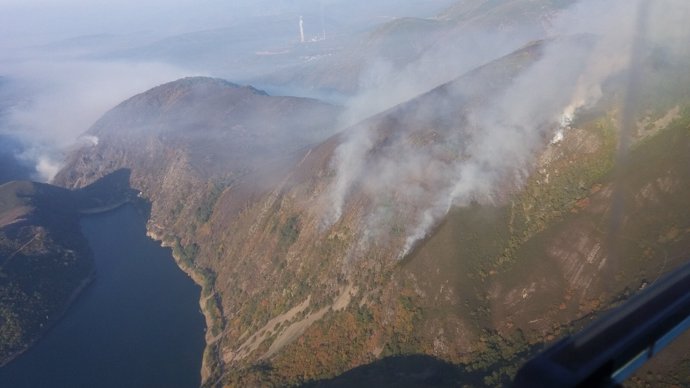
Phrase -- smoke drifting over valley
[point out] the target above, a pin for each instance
(71, 62)
(489, 148)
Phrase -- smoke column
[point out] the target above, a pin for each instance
(502, 137)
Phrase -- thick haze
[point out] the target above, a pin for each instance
(69, 61)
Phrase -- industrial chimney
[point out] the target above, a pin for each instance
(301, 30)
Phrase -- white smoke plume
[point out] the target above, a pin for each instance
(89, 140)
(46, 168)
(66, 98)
(495, 144)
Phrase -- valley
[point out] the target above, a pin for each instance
(473, 186)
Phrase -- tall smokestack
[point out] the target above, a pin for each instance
(323, 25)
(301, 30)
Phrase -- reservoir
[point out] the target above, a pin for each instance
(137, 325)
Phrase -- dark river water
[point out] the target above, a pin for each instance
(137, 325)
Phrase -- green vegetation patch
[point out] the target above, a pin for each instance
(290, 230)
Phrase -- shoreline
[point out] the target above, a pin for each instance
(209, 322)
(205, 371)
(90, 278)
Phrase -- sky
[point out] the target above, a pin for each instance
(39, 21)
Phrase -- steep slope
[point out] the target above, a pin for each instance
(493, 281)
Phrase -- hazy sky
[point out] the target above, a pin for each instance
(36, 21)
(39, 21)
